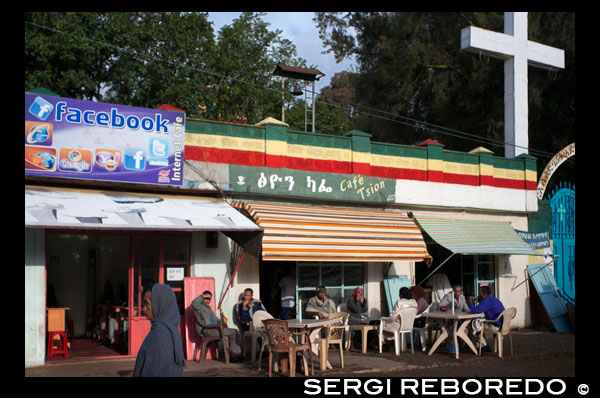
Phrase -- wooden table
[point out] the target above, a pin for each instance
(306, 324)
(456, 331)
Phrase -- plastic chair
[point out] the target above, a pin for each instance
(406, 319)
(258, 332)
(344, 308)
(507, 315)
(334, 335)
(421, 331)
(280, 341)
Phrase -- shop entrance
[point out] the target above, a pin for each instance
(101, 276)
(270, 273)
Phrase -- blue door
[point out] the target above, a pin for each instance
(563, 235)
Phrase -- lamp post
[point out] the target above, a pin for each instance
(305, 74)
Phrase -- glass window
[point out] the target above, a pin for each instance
(340, 279)
(176, 248)
(308, 276)
(331, 275)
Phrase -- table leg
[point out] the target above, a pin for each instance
(365, 333)
(455, 337)
(461, 333)
(315, 347)
(440, 339)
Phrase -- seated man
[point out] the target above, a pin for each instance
(320, 305)
(245, 309)
(205, 315)
(405, 301)
(460, 303)
(491, 307)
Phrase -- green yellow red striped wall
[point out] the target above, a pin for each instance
(277, 147)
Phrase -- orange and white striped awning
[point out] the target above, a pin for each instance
(317, 233)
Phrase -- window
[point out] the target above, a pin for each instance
(477, 270)
(340, 279)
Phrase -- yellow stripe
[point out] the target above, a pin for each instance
(486, 169)
(509, 174)
(530, 175)
(461, 168)
(398, 162)
(224, 142)
(320, 153)
(435, 164)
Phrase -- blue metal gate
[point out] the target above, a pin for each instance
(562, 203)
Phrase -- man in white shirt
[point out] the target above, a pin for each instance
(460, 303)
(288, 296)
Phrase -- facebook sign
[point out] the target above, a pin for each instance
(70, 138)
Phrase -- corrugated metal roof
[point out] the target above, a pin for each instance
(475, 237)
(319, 233)
(545, 285)
(297, 72)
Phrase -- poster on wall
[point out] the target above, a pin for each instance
(70, 138)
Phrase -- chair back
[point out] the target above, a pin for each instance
(424, 312)
(278, 333)
(335, 330)
(258, 318)
(407, 318)
(507, 316)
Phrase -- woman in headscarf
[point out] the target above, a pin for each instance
(356, 305)
(161, 353)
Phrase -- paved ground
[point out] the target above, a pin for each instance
(537, 354)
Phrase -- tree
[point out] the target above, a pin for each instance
(410, 67)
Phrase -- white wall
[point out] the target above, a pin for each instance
(35, 298)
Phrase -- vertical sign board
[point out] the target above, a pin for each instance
(70, 138)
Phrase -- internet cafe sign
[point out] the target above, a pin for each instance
(300, 183)
(72, 138)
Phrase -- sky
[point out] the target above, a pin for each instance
(300, 29)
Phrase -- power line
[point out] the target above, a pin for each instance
(416, 124)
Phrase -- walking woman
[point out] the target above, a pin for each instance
(161, 353)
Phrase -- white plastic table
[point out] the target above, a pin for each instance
(456, 331)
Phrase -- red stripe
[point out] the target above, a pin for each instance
(530, 185)
(215, 155)
(397, 173)
(326, 166)
(505, 183)
(276, 161)
(486, 180)
(462, 179)
(436, 176)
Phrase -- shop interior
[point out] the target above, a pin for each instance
(89, 275)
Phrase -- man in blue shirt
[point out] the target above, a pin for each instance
(491, 307)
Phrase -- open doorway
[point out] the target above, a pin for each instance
(88, 273)
(270, 273)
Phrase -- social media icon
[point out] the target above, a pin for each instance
(134, 159)
(159, 148)
(41, 108)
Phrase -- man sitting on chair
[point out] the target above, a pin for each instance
(204, 313)
(492, 308)
(320, 305)
(245, 309)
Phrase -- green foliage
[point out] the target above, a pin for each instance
(410, 64)
(150, 58)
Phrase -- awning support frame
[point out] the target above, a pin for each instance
(432, 272)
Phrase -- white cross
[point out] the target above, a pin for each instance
(517, 52)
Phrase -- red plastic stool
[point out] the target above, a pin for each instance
(62, 346)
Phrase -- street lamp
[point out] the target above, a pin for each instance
(305, 74)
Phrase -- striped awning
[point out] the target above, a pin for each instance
(475, 237)
(317, 233)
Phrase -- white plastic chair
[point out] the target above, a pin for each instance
(257, 331)
(421, 331)
(406, 319)
(507, 315)
(344, 308)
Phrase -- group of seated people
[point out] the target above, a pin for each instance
(321, 305)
